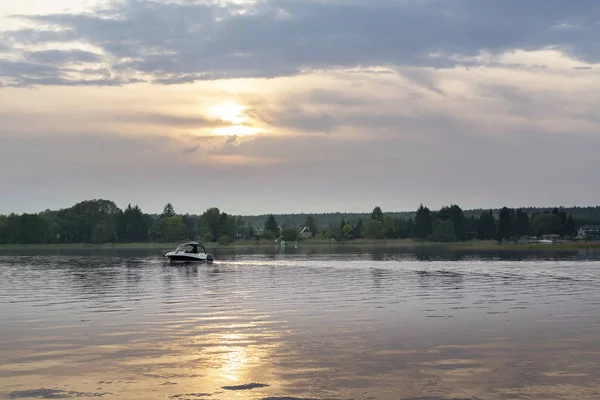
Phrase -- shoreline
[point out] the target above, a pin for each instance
(390, 243)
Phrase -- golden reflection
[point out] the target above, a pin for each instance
(239, 357)
(235, 359)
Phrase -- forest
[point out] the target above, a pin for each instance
(102, 221)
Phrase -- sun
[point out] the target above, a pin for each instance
(230, 112)
(233, 113)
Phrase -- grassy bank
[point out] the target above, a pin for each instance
(494, 246)
(391, 243)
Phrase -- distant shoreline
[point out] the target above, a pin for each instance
(389, 243)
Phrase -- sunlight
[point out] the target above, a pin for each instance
(230, 112)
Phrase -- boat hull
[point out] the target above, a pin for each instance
(185, 255)
(190, 258)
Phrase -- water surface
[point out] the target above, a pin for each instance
(300, 324)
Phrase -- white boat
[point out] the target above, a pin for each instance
(189, 252)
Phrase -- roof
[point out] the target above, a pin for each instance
(193, 244)
(305, 229)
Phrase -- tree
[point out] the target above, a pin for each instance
(104, 232)
(522, 224)
(443, 231)
(168, 211)
(546, 224)
(423, 225)
(374, 229)
(486, 226)
(132, 225)
(268, 235)
(456, 215)
(358, 229)
(190, 227)
(224, 239)
(342, 225)
(272, 226)
(290, 234)
(405, 227)
(505, 225)
(377, 214)
(570, 228)
(347, 231)
(310, 222)
(169, 229)
(389, 227)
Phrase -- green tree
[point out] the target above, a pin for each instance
(486, 226)
(374, 229)
(377, 214)
(423, 224)
(570, 229)
(209, 225)
(456, 215)
(169, 230)
(190, 227)
(347, 231)
(358, 229)
(310, 222)
(104, 232)
(403, 227)
(505, 224)
(168, 211)
(546, 224)
(290, 234)
(224, 239)
(443, 231)
(132, 225)
(268, 235)
(272, 226)
(522, 223)
(389, 227)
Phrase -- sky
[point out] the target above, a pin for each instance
(288, 106)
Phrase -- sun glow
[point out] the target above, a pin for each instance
(235, 115)
(230, 112)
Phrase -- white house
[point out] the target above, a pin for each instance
(588, 231)
(305, 233)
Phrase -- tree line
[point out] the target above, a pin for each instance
(102, 221)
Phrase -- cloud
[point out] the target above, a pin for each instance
(169, 120)
(26, 74)
(177, 42)
(63, 56)
(192, 149)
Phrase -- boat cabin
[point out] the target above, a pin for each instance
(190, 247)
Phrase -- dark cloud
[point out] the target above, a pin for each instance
(63, 56)
(170, 120)
(192, 149)
(178, 42)
(27, 73)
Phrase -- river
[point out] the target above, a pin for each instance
(318, 324)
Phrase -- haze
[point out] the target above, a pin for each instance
(299, 105)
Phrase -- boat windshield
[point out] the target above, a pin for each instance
(187, 248)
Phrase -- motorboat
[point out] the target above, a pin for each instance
(189, 252)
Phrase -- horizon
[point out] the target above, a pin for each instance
(278, 106)
(389, 211)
